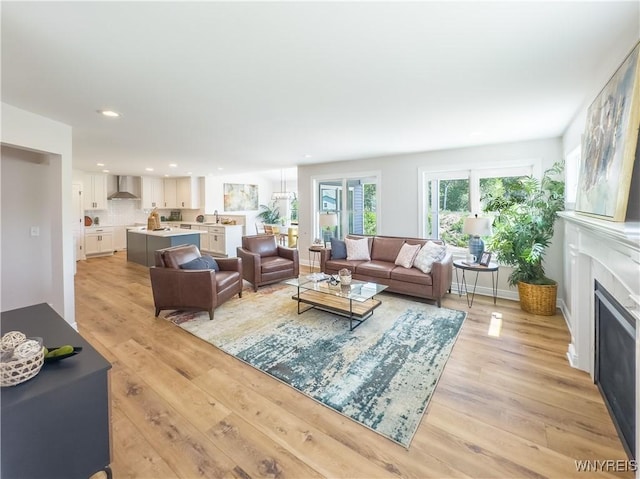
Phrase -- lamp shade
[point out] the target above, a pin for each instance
(328, 220)
(475, 226)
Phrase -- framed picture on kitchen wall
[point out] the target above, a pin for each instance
(609, 144)
(240, 197)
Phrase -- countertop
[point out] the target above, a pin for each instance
(166, 233)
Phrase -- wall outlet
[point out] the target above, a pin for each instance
(35, 231)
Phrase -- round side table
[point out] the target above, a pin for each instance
(461, 265)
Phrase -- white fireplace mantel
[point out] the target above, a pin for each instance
(597, 250)
(609, 253)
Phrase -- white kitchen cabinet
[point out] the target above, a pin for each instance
(98, 241)
(152, 193)
(204, 238)
(224, 239)
(171, 193)
(94, 192)
(119, 238)
(188, 193)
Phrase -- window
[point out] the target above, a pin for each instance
(572, 169)
(450, 196)
(353, 199)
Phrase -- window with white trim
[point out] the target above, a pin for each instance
(448, 197)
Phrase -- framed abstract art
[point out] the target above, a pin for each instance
(609, 144)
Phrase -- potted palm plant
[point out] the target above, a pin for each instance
(269, 214)
(525, 214)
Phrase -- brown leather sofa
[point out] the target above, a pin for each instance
(381, 269)
(192, 290)
(265, 262)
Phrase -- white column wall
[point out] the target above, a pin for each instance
(53, 141)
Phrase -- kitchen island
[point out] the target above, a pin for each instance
(142, 243)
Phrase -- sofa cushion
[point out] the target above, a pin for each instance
(357, 249)
(377, 269)
(386, 249)
(429, 254)
(338, 264)
(338, 249)
(411, 275)
(407, 254)
(203, 262)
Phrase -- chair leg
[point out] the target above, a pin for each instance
(157, 312)
(255, 288)
(210, 314)
(240, 294)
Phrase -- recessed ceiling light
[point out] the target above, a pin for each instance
(307, 155)
(105, 171)
(149, 169)
(220, 168)
(109, 113)
(173, 165)
(188, 173)
(166, 176)
(475, 134)
(100, 164)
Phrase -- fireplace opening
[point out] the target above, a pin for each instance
(615, 364)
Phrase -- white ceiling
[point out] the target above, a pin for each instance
(252, 86)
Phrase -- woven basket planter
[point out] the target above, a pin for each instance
(538, 298)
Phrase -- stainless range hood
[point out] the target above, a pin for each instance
(124, 186)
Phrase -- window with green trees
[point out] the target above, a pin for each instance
(451, 196)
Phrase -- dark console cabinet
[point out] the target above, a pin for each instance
(55, 425)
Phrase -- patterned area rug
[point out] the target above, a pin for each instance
(381, 375)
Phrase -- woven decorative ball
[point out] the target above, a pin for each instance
(11, 339)
(24, 361)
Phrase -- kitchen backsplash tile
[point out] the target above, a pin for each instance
(125, 212)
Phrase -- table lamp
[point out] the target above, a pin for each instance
(476, 227)
(327, 221)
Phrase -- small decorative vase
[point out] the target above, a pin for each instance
(345, 276)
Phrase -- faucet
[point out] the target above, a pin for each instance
(217, 217)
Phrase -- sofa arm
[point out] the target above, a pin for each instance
(251, 265)
(441, 274)
(230, 264)
(325, 255)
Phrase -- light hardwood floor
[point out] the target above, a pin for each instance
(506, 406)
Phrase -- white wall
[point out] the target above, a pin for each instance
(399, 195)
(51, 206)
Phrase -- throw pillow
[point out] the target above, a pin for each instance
(203, 262)
(428, 254)
(407, 255)
(357, 249)
(338, 249)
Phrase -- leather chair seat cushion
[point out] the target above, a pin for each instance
(411, 275)
(376, 269)
(174, 258)
(225, 279)
(274, 264)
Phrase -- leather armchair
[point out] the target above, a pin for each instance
(192, 290)
(264, 261)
